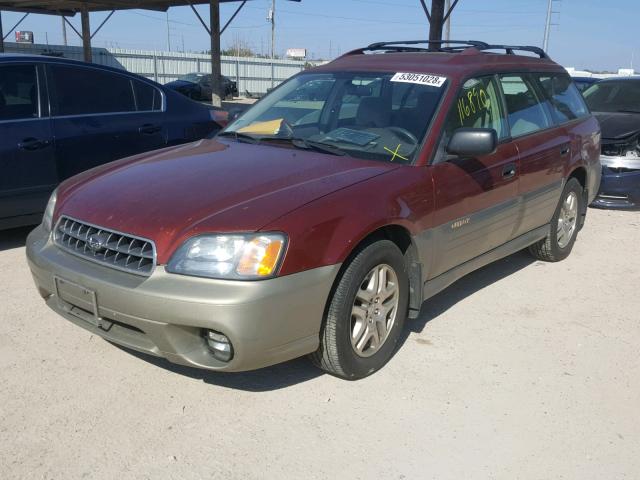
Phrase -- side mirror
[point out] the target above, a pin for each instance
(473, 142)
(234, 114)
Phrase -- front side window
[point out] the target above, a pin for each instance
(83, 91)
(18, 92)
(563, 97)
(525, 110)
(614, 96)
(477, 105)
(377, 116)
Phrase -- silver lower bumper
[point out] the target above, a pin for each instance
(267, 321)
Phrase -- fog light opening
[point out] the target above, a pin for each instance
(219, 345)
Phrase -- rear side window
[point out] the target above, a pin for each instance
(148, 98)
(478, 105)
(565, 101)
(83, 91)
(18, 92)
(525, 109)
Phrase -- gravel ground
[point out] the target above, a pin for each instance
(521, 370)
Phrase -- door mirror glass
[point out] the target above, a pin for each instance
(473, 142)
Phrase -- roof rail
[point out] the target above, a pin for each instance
(449, 46)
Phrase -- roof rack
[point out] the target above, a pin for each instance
(448, 46)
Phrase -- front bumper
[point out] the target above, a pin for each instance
(620, 184)
(267, 322)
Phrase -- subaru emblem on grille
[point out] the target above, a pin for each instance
(96, 242)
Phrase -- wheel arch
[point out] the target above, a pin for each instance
(401, 236)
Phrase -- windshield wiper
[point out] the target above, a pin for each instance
(628, 111)
(318, 146)
(240, 137)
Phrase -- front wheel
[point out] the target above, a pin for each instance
(366, 313)
(564, 225)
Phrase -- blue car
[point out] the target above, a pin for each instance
(59, 117)
(616, 104)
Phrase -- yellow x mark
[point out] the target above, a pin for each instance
(395, 153)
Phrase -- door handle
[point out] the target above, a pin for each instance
(33, 144)
(509, 171)
(565, 149)
(149, 129)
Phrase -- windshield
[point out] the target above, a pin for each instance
(377, 116)
(192, 77)
(613, 96)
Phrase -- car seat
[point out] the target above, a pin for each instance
(373, 112)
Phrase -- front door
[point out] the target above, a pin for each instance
(27, 164)
(476, 199)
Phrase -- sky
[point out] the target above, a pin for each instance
(587, 34)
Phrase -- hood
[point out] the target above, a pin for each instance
(207, 186)
(618, 126)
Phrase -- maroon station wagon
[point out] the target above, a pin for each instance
(326, 214)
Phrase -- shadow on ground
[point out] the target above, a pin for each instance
(301, 370)
(266, 379)
(14, 238)
(467, 286)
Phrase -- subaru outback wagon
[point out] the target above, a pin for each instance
(319, 225)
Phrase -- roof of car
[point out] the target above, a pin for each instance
(461, 61)
(20, 57)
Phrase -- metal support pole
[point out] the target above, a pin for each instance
(216, 67)
(64, 31)
(547, 26)
(273, 42)
(1, 35)
(15, 26)
(447, 23)
(155, 67)
(232, 17)
(86, 34)
(436, 23)
(102, 24)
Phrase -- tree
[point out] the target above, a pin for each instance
(239, 48)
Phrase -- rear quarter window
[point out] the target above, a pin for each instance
(564, 99)
(148, 98)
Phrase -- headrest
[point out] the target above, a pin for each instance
(373, 112)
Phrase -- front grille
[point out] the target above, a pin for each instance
(107, 247)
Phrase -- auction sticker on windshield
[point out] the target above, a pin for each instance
(419, 78)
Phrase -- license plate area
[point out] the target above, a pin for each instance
(79, 301)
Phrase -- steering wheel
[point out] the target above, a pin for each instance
(404, 133)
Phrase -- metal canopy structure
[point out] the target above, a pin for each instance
(69, 8)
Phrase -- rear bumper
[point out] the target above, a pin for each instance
(267, 322)
(619, 189)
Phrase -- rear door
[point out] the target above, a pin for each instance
(97, 119)
(476, 198)
(27, 164)
(543, 148)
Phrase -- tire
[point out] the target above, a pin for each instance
(558, 243)
(337, 353)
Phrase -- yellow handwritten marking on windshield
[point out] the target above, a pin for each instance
(271, 127)
(395, 153)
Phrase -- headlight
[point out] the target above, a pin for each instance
(47, 218)
(240, 257)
